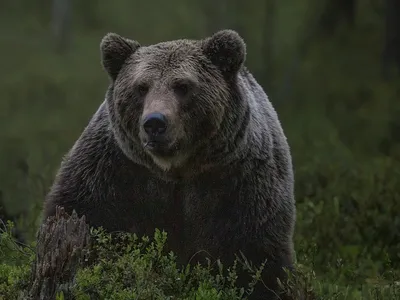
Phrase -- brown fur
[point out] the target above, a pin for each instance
(224, 181)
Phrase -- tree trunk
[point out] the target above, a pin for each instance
(335, 12)
(391, 52)
(267, 72)
(61, 243)
(61, 24)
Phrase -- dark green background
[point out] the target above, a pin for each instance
(323, 74)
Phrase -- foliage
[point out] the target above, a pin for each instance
(127, 267)
(15, 260)
(141, 269)
(363, 219)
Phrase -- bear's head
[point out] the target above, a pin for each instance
(170, 101)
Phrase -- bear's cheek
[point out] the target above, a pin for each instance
(129, 111)
(197, 125)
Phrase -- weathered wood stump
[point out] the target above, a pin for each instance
(61, 243)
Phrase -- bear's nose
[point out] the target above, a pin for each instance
(155, 124)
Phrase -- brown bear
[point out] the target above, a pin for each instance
(185, 141)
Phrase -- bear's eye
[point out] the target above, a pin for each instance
(142, 89)
(181, 88)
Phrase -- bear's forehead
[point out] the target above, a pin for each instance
(169, 53)
(167, 57)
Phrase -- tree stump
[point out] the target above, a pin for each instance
(61, 244)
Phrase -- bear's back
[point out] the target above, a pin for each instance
(266, 138)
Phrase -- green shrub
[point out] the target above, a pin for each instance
(128, 267)
(350, 212)
(15, 264)
(140, 269)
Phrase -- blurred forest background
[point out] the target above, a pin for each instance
(330, 67)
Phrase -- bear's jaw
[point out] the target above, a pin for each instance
(166, 164)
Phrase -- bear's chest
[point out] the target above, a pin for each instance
(198, 215)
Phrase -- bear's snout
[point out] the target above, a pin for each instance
(154, 124)
(156, 134)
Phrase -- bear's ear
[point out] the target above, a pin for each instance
(227, 50)
(115, 49)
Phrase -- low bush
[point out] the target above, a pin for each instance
(139, 268)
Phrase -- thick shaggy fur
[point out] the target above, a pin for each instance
(224, 182)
